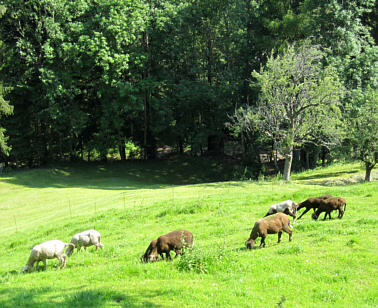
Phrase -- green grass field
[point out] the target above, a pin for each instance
(330, 263)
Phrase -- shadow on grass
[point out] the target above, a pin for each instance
(6, 276)
(325, 175)
(124, 175)
(88, 298)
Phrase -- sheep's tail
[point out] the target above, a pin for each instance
(344, 207)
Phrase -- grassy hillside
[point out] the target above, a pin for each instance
(328, 263)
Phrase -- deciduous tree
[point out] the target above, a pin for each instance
(298, 101)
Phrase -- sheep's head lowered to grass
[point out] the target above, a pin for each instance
(151, 254)
(175, 240)
(273, 224)
(47, 250)
(85, 239)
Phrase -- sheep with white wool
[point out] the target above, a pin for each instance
(47, 250)
(85, 239)
(288, 207)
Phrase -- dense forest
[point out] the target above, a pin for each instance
(84, 79)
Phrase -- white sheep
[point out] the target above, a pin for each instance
(85, 239)
(47, 250)
(288, 207)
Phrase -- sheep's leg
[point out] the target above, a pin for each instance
(287, 230)
(279, 236)
(61, 261)
(44, 264)
(64, 261)
(341, 214)
(168, 255)
(307, 209)
(178, 252)
(262, 244)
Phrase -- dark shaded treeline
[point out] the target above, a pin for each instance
(85, 77)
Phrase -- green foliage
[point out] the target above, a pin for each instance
(202, 260)
(362, 108)
(298, 103)
(85, 77)
(298, 97)
(5, 109)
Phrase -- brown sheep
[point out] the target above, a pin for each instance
(311, 203)
(271, 225)
(330, 205)
(175, 240)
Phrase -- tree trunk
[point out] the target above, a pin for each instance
(315, 158)
(275, 161)
(368, 168)
(81, 149)
(307, 159)
(145, 126)
(324, 155)
(122, 150)
(181, 146)
(288, 162)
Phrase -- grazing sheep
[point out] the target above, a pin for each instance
(311, 203)
(271, 225)
(151, 253)
(175, 240)
(329, 205)
(288, 207)
(85, 239)
(47, 250)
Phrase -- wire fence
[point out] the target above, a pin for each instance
(28, 217)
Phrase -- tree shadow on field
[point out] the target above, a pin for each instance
(325, 175)
(122, 175)
(13, 297)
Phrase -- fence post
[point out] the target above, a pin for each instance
(15, 222)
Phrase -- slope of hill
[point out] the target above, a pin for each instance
(330, 263)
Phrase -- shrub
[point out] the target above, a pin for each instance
(290, 250)
(201, 259)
